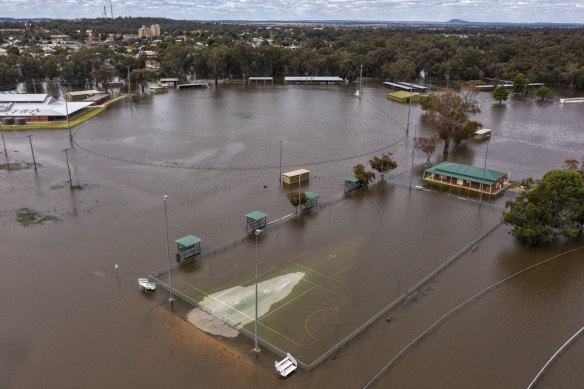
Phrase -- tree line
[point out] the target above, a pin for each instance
(554, 56)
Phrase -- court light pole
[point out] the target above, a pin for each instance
(413, 151)
(256, 348)
(32, 151)
(170, 299)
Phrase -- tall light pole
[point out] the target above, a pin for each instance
(68, 168)
(413, 150)
(32, 151)
(484, 172)
(170, 299)
(280, 179)
(256, 348)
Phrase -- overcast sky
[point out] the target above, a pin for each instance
(564, 11)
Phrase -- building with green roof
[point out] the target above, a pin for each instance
(467, 177)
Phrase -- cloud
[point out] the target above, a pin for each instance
(390, 10)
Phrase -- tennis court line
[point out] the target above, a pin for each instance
(288, 302)
(342, 270)
(312, 283)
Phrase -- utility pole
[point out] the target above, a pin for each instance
(409, 109)
(68, 168)
(256, 348)
(129, 82)
(32, 151)
(111, 9)
(280, 179)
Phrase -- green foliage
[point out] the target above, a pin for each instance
(549, 55)
(520, 84)
(553, 207)
(426, 102)
(382, 165)
(362, 175)
(500, 93)
(27, 216)
(543, 92)
(297, 198)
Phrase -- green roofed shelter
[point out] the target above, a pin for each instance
(351, 182)
(255, 220)
(311, 200)
(188, 247)
(468, 177)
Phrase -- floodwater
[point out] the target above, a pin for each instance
(69, 320)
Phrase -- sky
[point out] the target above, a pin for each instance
(557, 11)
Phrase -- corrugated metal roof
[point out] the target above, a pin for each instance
(23, 98)
(256, 215)
(466, 172)
(352, 179)
(295, 173)
(51, 108)
(313, 78)
(189, 240)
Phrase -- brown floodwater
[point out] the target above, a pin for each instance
(69, 320)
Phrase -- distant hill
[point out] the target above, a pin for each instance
(452, 22)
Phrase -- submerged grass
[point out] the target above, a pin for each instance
(28, 216)
(17, 166)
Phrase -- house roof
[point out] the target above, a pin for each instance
(256, 215)
(466, 172)
(296, 173)
(313, 78)
(49, 107)
(352, 179)
(189, 240)
(311, 195)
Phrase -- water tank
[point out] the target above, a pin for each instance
(8, 121)
(20, 121)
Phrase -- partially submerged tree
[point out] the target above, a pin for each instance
(553, 207)
(297, 198)
(543, 92)
(449, 114)
(520, 84)
(382, 165)
(500, 93)
(362, 175)
(427, 145)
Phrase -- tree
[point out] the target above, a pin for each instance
(383, 165)
(543, 92)
(500, 93)
(426, 103)
(363, 176)
(554, 207)
(520, 84)
(427, 145)
(297, 199)
(573, 164)
(449, 114)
